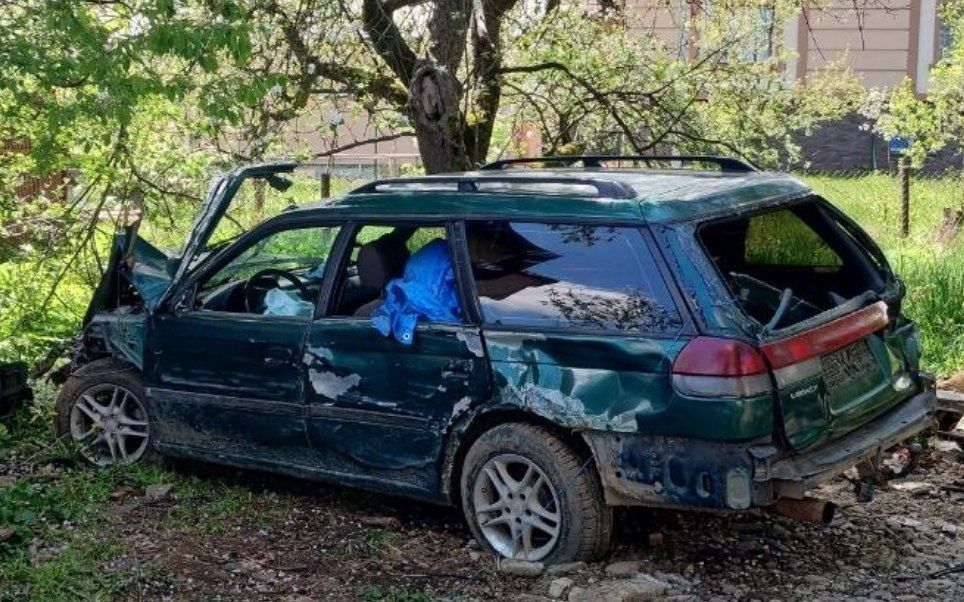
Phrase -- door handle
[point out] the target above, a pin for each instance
(277, 356)
(457, 370)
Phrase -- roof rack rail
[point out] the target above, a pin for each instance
(726, 164)
(468, 183)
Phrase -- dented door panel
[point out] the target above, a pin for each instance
(228, 383)
(381, 408)
(613, 383)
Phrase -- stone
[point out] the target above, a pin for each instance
(520, 568)
(158, 492)
(624, 568)
(638, 589)
(949, 529)
(565, 568)
(559, 587)
(389, 523)
(576, 594)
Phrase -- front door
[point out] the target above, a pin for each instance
(379, 406)
(225, 376)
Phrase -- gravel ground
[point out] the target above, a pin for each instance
(307, 542)
(276, 538)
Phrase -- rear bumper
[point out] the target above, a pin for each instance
(674, 472)
(793, 476)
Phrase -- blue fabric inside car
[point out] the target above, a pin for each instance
(426, 290)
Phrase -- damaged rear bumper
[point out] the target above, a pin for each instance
(674, 472)
(795, 475)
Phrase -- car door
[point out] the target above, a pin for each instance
(227, 379)
(378, 409)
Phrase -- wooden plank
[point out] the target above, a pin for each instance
(950, 401)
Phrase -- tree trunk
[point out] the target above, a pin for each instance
(433, 109)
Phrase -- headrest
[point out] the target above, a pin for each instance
(381, 260)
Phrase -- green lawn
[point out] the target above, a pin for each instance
(933, 272)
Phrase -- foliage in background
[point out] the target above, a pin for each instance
(587, 85)
(937, 120)
(933, 269)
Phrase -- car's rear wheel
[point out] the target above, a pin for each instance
(102, 409)
(527, 494)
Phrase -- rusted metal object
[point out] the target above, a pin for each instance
(811, 510)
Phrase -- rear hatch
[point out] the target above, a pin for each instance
(826, 312)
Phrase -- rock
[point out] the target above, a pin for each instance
(910, 486)
(641, 587)
(624, 568)
(913, 523)
(472, 544)
(389, 523)
(6, 533)
(576, 593)
(949, 529)
(474, 556)
(565, 568)
(520, 568)
(158, 492)
(559, 587)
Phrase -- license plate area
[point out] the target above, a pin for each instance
(846, 366)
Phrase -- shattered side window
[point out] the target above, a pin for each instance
(569, 276)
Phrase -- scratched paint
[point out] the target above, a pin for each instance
(330, 384)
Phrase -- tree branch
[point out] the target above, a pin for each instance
(357, 143)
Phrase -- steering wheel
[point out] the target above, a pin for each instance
(273, 274)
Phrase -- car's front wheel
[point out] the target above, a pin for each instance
(527, 494)
(102, 409)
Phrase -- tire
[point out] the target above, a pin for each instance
(99, 382)
(584, 526)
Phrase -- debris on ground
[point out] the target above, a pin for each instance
(520, 568)
(292, 540)
(156, 493)
(389, 523)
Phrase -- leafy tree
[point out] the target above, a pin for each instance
(936, 120)
(141, 100)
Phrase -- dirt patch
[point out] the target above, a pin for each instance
(301, 541)
(231, 535)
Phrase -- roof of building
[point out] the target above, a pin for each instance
(652, 195)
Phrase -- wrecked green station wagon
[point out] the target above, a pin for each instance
(536, 342)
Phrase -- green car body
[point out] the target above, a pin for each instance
(330, 398)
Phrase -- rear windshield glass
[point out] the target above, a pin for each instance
(789, 264)
(568, 276)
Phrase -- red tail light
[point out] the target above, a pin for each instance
(828, 337)
(714, 367)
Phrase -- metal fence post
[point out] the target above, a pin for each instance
(903, 172)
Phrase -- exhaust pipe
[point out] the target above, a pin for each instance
(809, 510)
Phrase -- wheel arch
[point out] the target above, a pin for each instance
(465, 432)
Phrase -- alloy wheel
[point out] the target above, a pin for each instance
(109, 422)
(517, 507)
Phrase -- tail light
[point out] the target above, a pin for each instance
(797, 357)
(715, 367)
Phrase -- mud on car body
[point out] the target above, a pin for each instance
(715, 338)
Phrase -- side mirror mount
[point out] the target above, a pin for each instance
(185, 301)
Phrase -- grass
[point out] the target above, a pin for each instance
(932, 270)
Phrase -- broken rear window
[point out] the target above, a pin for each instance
(788, 264)
(569, 276)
